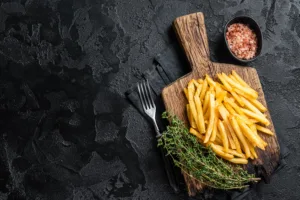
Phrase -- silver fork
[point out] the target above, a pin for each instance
(150, 109)
(148, 104)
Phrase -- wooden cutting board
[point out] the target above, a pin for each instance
(192, 35)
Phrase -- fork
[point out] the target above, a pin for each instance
(150, 109)
(148, 103)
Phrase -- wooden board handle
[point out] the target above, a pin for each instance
(191, 33)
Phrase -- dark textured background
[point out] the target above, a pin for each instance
(66, 129)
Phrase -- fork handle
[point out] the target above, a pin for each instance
(167, 163)
(169, 171)
(158, 134)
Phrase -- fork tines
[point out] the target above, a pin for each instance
(145, 95)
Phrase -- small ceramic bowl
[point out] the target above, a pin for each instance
(252, 25)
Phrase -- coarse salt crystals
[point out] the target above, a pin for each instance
(242, 41)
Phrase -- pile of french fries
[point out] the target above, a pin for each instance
(226, 116)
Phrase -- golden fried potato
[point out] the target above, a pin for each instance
(227, 116)
(211, 118)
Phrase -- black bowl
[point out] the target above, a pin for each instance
(252, 25)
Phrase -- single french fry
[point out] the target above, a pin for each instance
(200, 81)
(230, 139)
(240, 135)
(190, 116)
(221, 153)
(215, 128)
(200, 118)
(186, 93)
(232, 83)
(197, 134)
(250, 145)
(258, 105)
(230, 151)
(239, 79)
(191, 92)
(254, 153)
(206, 101)
(259, 118)
(204, 90)
(237, 154)
(264, 130)
(241, 161)
(224, 82)
(211, 118)
(237, 98)
(251, 107)
(210, 81)
(250, 135)
(223, 134)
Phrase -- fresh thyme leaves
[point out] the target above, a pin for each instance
(199, 161)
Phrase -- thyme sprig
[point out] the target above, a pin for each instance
(199, 161)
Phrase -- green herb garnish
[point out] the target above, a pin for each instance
(199, 161)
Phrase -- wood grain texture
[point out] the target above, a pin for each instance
(192, 35)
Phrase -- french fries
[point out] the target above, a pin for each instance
(226, 116)
(252, 137)
(259, 118)
(240, 135)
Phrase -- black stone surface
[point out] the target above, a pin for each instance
(67, 131)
